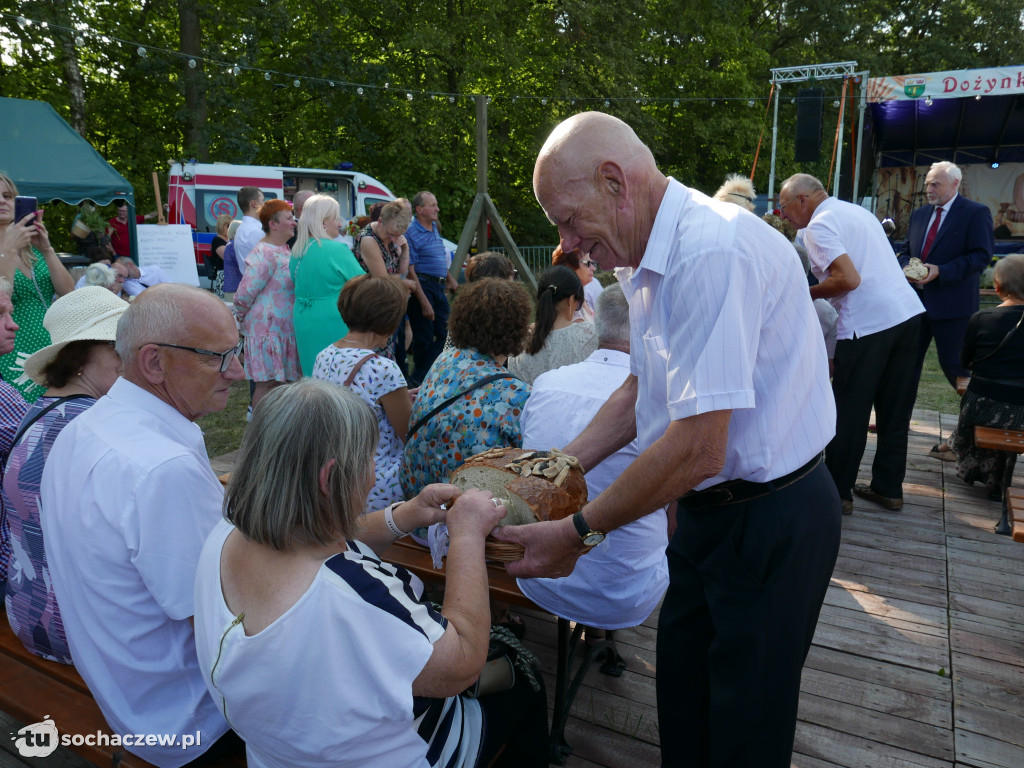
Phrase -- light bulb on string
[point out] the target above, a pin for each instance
(266, 75)
(750, 102)
(835, 103)
(359, 90)
(386, 86)
(978, 97)
(451, 99)
(296, 82)
(191, 63)
(544, 101)
(236, 70)
(330, 83)
(928, 101)
(408, 96)
(79, 41)
(675, 102)
(712, 102)
(141, 51)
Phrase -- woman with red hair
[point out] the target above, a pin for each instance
(584, 267)
(264, 302)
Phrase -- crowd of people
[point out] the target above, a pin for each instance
(718, 395)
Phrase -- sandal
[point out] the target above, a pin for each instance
(937, 452)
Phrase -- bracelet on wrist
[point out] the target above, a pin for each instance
(389, 520)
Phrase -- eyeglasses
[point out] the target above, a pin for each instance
(225, 357)
(783, 206)
(589, 263)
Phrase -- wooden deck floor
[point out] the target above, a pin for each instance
(918, 659)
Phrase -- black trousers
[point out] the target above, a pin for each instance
(515, 727)
(949, 339)
(746, 583)
(878, 370)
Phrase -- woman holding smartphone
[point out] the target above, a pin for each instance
(28, 260)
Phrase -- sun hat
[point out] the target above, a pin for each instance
(87, 314)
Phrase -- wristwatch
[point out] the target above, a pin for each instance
(589, 538)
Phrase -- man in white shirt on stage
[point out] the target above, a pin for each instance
(128, 498)
(728, 395)
(877, 336)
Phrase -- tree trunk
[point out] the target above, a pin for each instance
(194, 81)
(76, 86)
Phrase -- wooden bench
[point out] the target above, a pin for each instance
(503, 587)
(1010, 442)
(32, 688)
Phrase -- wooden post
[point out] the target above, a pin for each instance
(481, 167)
(159, 204)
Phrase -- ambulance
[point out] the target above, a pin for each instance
(200, 192)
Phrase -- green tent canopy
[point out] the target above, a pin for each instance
(47, 159)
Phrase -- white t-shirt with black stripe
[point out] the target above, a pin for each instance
(329, 683)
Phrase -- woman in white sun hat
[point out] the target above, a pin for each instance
(77, 368)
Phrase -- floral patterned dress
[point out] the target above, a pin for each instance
(264, 303)
(487, 417)
(377, 377)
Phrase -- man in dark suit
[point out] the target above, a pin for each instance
(953, 237)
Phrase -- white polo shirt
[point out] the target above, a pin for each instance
(884, 298)
(127, 500)
(721, 319)
(621, 580)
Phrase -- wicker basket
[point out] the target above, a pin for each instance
(502, 551)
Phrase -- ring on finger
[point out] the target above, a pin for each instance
(495, 502)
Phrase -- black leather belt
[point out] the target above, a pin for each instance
(433, 278)
(736, 491)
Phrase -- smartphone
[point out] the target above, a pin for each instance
(23, 206)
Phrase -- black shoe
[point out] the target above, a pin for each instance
(847, 506)
(865, 492)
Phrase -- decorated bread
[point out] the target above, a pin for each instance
(534, 486)
(915, 269)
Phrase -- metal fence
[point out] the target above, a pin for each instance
(537, 257)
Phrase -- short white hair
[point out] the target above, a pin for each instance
(950, 170)
(100, 274)
(611, 315)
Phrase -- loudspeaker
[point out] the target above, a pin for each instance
(808, 124)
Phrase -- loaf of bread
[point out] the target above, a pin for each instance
(915, 269)
(535, 486)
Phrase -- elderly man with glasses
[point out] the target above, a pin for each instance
(128, 498)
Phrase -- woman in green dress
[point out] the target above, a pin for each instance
(320, 266)
(28, 260)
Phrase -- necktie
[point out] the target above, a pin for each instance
(933, 230)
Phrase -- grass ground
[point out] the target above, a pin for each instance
(224, 430)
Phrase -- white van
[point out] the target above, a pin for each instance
(200, 192)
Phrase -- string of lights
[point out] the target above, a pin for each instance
(236, 69)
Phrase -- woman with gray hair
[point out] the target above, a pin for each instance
(320, 266)
(292, 584)
(993, 350)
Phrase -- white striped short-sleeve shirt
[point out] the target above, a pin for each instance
(722, 319)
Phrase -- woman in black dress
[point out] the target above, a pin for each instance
(994, 352)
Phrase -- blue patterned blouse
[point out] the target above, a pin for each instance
(487, 417)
